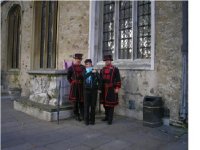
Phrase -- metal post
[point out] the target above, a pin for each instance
(58, 103)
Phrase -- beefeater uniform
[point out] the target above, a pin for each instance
(75, 78)
(110, 80)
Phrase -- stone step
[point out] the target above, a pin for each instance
(42, 111)
(11, 93)
(6, 97)
(4, 93)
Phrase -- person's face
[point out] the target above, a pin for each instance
(78, 61)
(107, 62)
(88, 64)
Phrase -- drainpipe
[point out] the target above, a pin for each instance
(184, 90)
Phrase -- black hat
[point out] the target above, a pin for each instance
(88, 61)
(78, 56)
(107, 57)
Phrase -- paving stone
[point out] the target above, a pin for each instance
(41, 148)
(80, 147)
(97, 141)
(20, 131)
(25, 146)
(65, 144)
(175, 146)
(141, 140)
(115, 145)
(11, 142)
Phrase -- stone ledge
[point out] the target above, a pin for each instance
(41, 111)
(47, 72)
(138, 64)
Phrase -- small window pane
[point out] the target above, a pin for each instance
(144, 29)
(108, 28)
(125, 30)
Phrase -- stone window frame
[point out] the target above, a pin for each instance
(14, 46)
(96, 34)
(45, 62)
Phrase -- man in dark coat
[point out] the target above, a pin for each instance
(75, 78)
(91, 81)
(111, 83)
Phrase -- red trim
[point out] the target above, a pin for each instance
(109, 105)
(118, 85)
(70, 81)
(110, 102)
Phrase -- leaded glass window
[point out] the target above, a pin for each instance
(108, 28)
(125, 30)
(133, 39)
(144, 29)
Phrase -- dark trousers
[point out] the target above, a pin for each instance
(109, 114)
(78, 105)
(90, 99)
(79, 109)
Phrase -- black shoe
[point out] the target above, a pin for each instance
(92, 123)
(105, 119)
(109, 123)
(79, 119)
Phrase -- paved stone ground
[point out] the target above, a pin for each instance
(22, 132)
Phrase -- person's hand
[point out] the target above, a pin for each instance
(94, 71)
(116, 90)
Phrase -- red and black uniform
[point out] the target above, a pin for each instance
(75, 78)
(110, 80)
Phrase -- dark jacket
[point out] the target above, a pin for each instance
(75, 78)
(94, 84)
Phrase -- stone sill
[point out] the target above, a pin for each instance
(13, 72)
(48, 108)
(138, 64)
(47, 72)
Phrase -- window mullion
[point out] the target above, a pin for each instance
(55, 11)
(38, 35)
(152, 33)
(116, 30)
(50, 35)
(135, 30)
(13, 42)
(43, 33)
(17, 40)
(46, 50)
(101, 33)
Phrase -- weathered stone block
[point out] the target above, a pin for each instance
(44, 112)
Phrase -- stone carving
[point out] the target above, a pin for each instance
(44, 89)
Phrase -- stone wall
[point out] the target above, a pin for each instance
(17, 78)
(165, 79)
(73, 29)
(135, 86)
(168, 54)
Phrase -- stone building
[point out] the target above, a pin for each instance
(148, 41)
